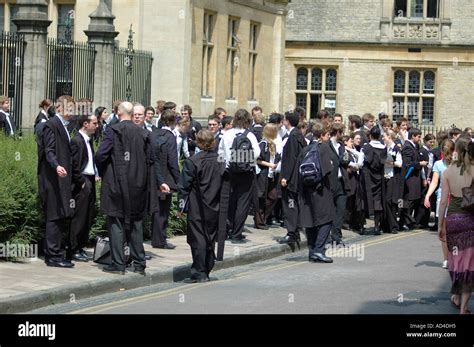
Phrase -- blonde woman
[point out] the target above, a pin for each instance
(457, 229)
(447, 148)
(266, 176)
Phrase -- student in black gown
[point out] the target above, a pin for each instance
(317, 210)
(199, 192)
(375, 155)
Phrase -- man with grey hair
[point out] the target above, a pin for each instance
(123, 161)
(139, 115)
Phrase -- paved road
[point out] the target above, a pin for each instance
(399, 274)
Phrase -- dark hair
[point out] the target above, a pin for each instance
(368, 117)
(226, 120)
(337, 115)
(301, 112)
(386, 123)
(375, 133)
(356, 120)
(84, 119)
(168, 117)
(322, 114)
(454, 132)
(400, 121)
(428, 137)
(219, 110)
(149, 108)
(383, 115)
(336, 128)
(169, 105)
(292, 118)
(414, 132)
(116, 105)
(441, 136)
(275, 118)
(45, 102)
(257, 108)
(467, 129)
(242, 119)
(205, 140)
(214, 117)
(98, 111)
(346, 138)
(188, 109)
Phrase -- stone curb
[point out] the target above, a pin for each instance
(32, 301)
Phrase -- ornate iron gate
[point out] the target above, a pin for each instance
(11, 72)
(132, 74)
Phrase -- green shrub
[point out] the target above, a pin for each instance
(21, 219)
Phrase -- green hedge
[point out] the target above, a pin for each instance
(21, 219)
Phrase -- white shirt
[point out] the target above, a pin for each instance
(336, 146)
(149, 126)
(7, 116)
(46, 114)
(287, 132)
(181, 143)
(390, 163)
(225, 146)
(359, 159)
(89, 169)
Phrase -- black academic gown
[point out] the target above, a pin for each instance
(289, 168)
(53, 151)
(374, 163)
(317, 205)
(124, 177)
(194, 128)
(206, 167)
(4, 124)
(412, 186)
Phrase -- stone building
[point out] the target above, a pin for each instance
(207, 53)
(406, 57)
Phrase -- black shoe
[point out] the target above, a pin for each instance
(62, 264)
(113, 270)
(196, 280)
(286, 240)
(434, 227)
(377, 232)
(140, 271)
(261, 227)
(166, 246)
(147, 257)
(283, 224)
(394, 231)
(320, 258)
(80, 257)
(404, 228)
(238, 241)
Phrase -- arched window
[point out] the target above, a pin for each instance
(414, 82)
(331, 78)
(429, 83)
(399, 82)
(316, 79)
(302, 79)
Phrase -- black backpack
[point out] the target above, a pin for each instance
(242, 156)
(311, 174)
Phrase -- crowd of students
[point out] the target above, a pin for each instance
(316, 176)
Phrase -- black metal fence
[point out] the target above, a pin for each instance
(12, 47)
(432, 129)
(132, 75)
(70, 70)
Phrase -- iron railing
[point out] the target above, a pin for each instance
(70, 69)
(12, 47)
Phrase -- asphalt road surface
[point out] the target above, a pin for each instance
(389, 274)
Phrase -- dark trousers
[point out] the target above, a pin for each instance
(203, 263)
(406, 215)
(267, 203)
(53, 240)
(83, 216)
(134, 238)
(317, 238)
(291, 211)
(422, 214)
(160, 221)
(353, 215)
(340, 202)
(390, 217)
(240, 200)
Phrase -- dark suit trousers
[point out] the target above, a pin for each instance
(317, 238)
(203, 263)
(340, 202)
(134, 237)
(53, 240)
(291, 211)
(83, 216)
(406, 216)
(240, 199)
(422, 214)
(160, 222)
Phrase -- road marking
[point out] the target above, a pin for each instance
(181, 289)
